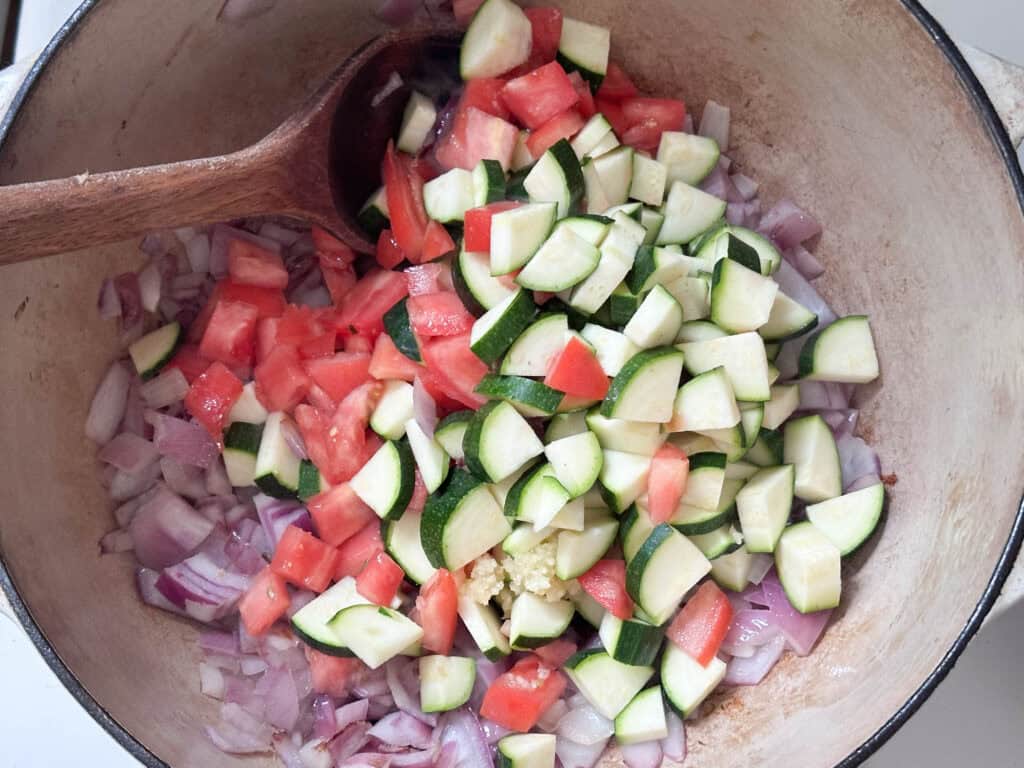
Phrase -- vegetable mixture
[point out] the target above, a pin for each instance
(575, 449)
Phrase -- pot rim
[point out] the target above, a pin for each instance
(997, 132)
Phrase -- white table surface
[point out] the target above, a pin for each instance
(975, 717)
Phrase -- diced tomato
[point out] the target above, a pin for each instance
(538, 96)
(476, 234)
(319, 346)
(606, 583)
(358, 342)
(389, 254)
(546, 25)
(437, 388)
(428, 278)
(585, 106)
(612, 110)
(484, 93)
(266, 337)
(476, 135)
(188, 360)
(281, 381)
(363, 310)
(319, 400)
(330, 249)
(264, 602)
(556, 653)
(649, 118)
(331, 674)
(303, 560)
(358, 550)
(464, 10)
(518, 698)
(616, 85)
(437, 242)
(438, 314)
(702, 624)
(437, 606)
(198, 326)
(338, 443)
(297, 325)
(339, 280)
(230, 335)
(211, 397)
(388, 363)
(269, 302)
(338, 514)
(540, 298)
(340, 374)
(405, 204)
(666, 482)
(454, 364)
(249, 264)
(576, 371)
(562, 126)
(378, 582)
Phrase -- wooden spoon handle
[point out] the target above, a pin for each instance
(43, 218)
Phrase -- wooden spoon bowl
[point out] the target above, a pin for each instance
(321, 164)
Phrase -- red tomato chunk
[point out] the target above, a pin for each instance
(250, 264)
(211, 397)
(702, 624)
(264, 602)
(606, 583)
(303, 560)
(379, 580)
(518, 698)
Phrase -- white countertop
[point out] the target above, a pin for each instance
(975, 717)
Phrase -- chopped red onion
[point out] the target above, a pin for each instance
(218, 642)
(714, 124)
(222, 235)
(292, 436)
(127, 286)
(461, 727)
(109, 303)
(287, 751)
(759, 568)
(646, 754)
(797, 287)
(746, 186)
(150, 286)
(856, 458)
(550, 718)
(315, 754)
(493, 733)
(788, 225)
(397, 12)
(402, 677)
(197, 249)
(168, 388)
(205, 590)
(393, 84)
(117, 541)
(274, 231)
(585, 725)
(744, 214)
(372, 682)
(183, 479)
(234, 11)
(182, 440)
(806, 263)
(316, 297)
(753, 669)
(211, 681)
(325, 722)
(750, 629)
(217, 482)
(349, 741)
(421, 759)
(129, 453)
(864, 482)
(822, 396)
(126, 485)
(673, 746)
(400, 729)
(424, 408)
(108, 404)
(134, 420)
(802, 630)
(351, 713)
(166, 529)
(280, 697)
(239, 732)
(125, 512)
(718, 184)
(277, 514)
(573, 755)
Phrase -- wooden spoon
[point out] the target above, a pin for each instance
(321, 164)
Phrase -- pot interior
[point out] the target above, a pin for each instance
(850, 109)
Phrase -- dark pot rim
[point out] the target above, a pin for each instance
(989, 117)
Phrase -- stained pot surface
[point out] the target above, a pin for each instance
(850, 108)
